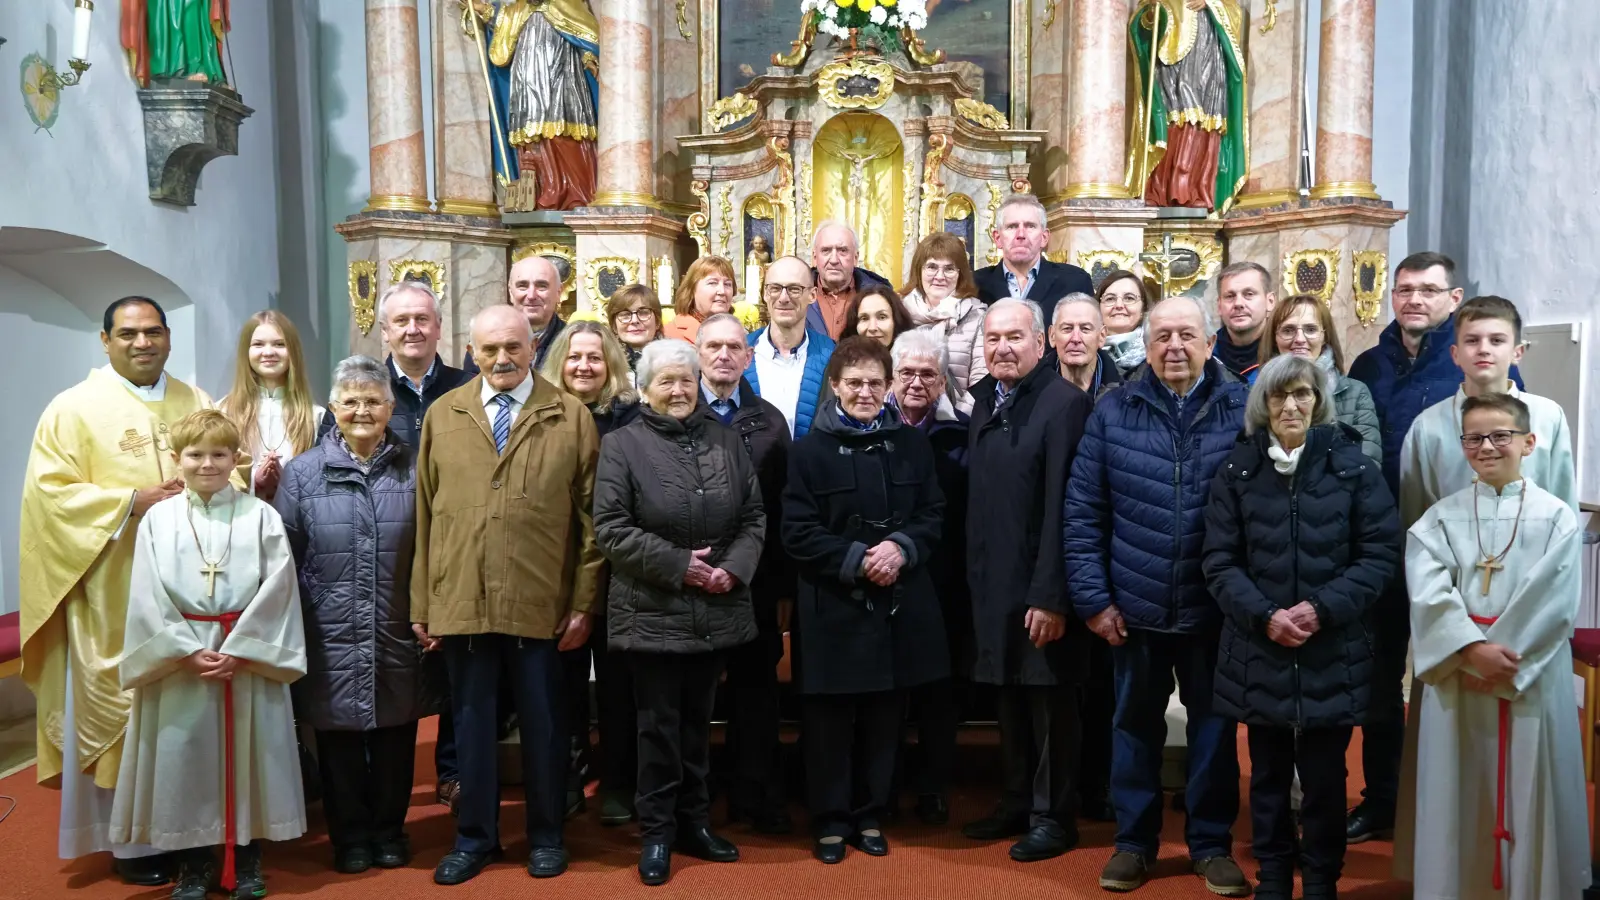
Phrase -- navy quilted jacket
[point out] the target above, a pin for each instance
(1134, 521)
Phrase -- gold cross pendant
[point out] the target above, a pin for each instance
(210, 571)
(1489, 567)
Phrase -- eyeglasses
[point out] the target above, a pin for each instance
(361, 405)
(1290, 332)
(1426, 292)
(1302, 397)
(938, 268)
(1500, 439)
(926, 376)
(634, 315)
(1127, 301)
(864, 385)
(775, 291)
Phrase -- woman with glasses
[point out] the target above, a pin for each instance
(1124, 300)
(862, 516)
(707, 288)
(635, 318)
(877, 313)
(943, 298)
(1303, 325)
(1301, 538)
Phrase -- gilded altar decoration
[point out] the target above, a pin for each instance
(1196, 259)
(1049, 17)
(425, 271)
(700, 219)
(981, 114)
(802, 190)
(1369, 271)
(918, 51)
(996, 197)
(858, 158)
(800, 47)
(1021, 186)
(565, 260)
(605, 275)
(1100, 263)
(725, 206)
(855, 83)
(364, 294)
(932, 213)
(908, 177)
(1190, 144)
(730, 110)
(1313, 272)
(958, 206)
(683, 20)
(171, 39)
(1271, 17)
(783, 192)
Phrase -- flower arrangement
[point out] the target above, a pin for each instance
(882, 19)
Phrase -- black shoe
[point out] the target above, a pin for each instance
(933, 809)
(1318, 885)
(1369, 823)
(830, 852)
(249, 882)
(392, 854)
(997, 826)
(870, 844)
(615, 810)
(352, 860)
(1043, 842)
(699, 842)
(655, 864)
(197, 874)
(547, 862)
(460, 866)
(145, 871)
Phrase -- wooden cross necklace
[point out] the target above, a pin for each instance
(210, 570)
(1491, 564)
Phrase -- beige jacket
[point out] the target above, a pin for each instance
(960, 323)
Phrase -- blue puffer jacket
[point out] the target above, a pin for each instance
(819, 348)
(1134, 522)
(1403, 387)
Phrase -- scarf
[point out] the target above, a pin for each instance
(365, 465)
(948, 314)
(1285, 461)
(1238, 359)
(1127, 350)
(852, 422)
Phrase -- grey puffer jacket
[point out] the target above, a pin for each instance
(1353, 406)
(353, 535)
(665, 487)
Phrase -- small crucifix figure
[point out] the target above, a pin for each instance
(1162, 262)
(210, 571)
(1489, 567)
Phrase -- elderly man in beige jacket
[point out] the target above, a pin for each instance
(505, 574)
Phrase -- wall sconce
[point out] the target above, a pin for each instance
(82, 12)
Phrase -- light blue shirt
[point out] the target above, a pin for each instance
(1017, 289)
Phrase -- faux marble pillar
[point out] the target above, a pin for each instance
(394, 107)
(626, 147)
(1276, 62)
(1047, 97)
(1344, 100)
(463, 138)
(1096, 109)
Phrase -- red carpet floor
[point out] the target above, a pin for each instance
(924, 863)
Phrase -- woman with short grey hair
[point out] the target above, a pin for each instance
(1281, 375)
(348, 507)
(658, 355)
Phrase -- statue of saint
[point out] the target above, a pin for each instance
(755, 268)
(544, 64)
(175, 39)
(1191, 146)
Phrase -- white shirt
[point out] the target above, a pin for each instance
(519, 396)
(780, 374)
(155, 393)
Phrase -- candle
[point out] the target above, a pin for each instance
(81, 13)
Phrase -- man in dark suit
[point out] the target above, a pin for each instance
(1021, 234)
(534, 286)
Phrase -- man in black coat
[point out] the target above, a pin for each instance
(1021, 235)
(1026, 423)
(534, 286)
(756, 793)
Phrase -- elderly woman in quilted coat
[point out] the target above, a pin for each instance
(348, 506)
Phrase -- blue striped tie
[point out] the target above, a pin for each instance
(502, 422)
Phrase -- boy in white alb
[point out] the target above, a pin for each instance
(1493, 576)
(212, 641)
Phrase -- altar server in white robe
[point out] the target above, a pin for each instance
(213, 624)
(1494, 581)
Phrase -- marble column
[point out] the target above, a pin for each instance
(463, 136)
(1344, 100)
(1276, 62)
(626, 147)
(1097, 119)
(394, 107)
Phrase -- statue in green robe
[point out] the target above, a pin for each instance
(175, 39)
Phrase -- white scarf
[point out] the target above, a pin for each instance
(948, 314)
(1127, 350)
(1285, 461)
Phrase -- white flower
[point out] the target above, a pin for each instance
(914, 7)
(829, 10)
(878, 15)
(916, 22)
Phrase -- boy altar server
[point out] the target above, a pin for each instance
(1494, 581)
(212, 640)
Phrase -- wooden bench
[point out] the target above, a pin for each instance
(10, 644)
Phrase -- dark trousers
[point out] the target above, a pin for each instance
(575, 675)
(1383, 737)
(1099, 705)
(366, 778)
(674, 693)
(850, 745)
(936, 708)
(752, 736)
(533, 669)
(617, 718)
(1040, 739)
(1146, 665)
(1320, 754)
(444, 747)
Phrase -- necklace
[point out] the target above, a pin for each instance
(1491, 564)
(283, 426)
(210, 570)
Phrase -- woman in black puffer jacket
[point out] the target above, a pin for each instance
(1301, 537)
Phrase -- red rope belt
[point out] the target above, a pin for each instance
(230, 876)
(1501, 833)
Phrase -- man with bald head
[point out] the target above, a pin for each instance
(1077, 334)
(789, 355)
(504, 577)
(1135, 522)
(834, 254)
(534, 286)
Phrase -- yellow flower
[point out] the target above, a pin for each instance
(888, 4)
(846, 4)
(866, 5)
(749, 315)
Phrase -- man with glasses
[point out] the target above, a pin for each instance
(1409, 370)
(790, 355)
(839, 280)
(1026, 423)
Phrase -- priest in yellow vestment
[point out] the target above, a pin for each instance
(100, 459)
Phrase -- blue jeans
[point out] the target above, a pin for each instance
(1146, 667)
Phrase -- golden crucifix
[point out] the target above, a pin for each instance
(1162, 262)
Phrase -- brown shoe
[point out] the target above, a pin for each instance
(1125, 872)
(1223, 876)
(449, 793)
